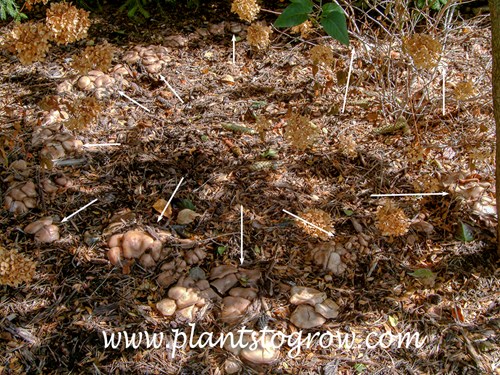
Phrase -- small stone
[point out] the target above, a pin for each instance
(166, 307)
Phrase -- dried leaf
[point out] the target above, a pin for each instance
(186, 216)
(159, 206)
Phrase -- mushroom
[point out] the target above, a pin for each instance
(306, 317)
(264, 353)
(328, 308)
(194, 256)
(20, 198)
(43, 230)
(133, 245)
(328, 256)
(166, 306)
(222, 271)
(226, 283)
(247, 293)
(233, 308)
(304, 295)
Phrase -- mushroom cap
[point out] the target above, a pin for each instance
(233, 308)
(135, 243)
(222, 271)
(115, 255)
(247, 293)
(115, 240)
(37, 225)
(264, 354)
(226, 283)
(47, 234)
(166, 306)
(306, 317)
(304, 295)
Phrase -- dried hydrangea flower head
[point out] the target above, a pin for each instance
(319, 218)
(97, 57)
(247, 10)
(66, 23)
(29, 41)
(304, 29)
(301, 132)
(258, 35)
(29, 3)
(424, 50)
(464, 90)
(322, 54)
(391, 220)
(15, 268)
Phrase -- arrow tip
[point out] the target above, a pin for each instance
(242, 260)
(234, 38)
(159, 219)
(445, 193)
(64, 220)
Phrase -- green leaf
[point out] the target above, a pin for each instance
(465, 232)
(221, 250)
(132, 11)
(359, 367)
(256, 250)
(393, 320)
(348, 212)
(294, 14)
(334, 23)
(186, 203)
(422, 273)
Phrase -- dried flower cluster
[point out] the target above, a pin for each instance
(263, 125)
(29, 41)
(94, 58)
(348, 146)
(258, 35)
(318, 217)
(15, 268)
(391, 220)
(247, 10)
(67, 23)
(29, 3)
(304, 29)
(424, 50)
(301, 132)
(83, 112)
(464, 90)
(322, 54)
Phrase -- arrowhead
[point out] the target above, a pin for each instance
(445, 193)
(64, 220)
(159, 219)
(234, 38)
(242, 260)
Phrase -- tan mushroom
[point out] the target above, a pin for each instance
(166, 306)
(233, 308)
(43, 230)
(306, 317)
(224, 284)
(303, 295)
(264, 353)
(222, 271)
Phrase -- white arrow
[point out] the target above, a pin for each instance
(81, 209)
(443, 193)
(170, 200)
(133, 101)
(171, 88)
(101, 144)
(242, 258)
(234, 49)
(330, 234)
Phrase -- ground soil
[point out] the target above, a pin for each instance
(54, 324)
